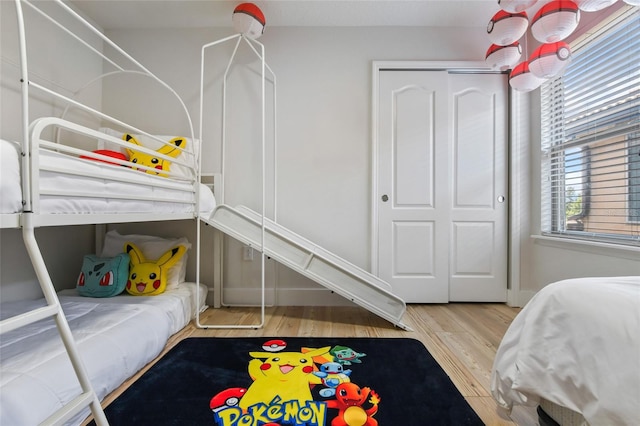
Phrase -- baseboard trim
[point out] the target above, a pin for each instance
(284, 297)
(524, 296)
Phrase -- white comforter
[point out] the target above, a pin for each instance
(576, 344)
(101, 185)
(116, 337)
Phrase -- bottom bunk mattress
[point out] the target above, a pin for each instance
(575, 345)
(116, 337)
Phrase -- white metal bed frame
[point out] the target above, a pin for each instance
(29, 218)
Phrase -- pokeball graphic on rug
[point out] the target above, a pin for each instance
(226, 399)
(274, 345)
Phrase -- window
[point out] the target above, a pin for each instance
(591, 138)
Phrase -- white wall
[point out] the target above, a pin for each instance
(323, 121)
(62, 248)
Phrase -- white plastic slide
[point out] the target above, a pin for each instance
(310, 260)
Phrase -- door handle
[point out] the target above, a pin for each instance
(501, 199)
(385, 198)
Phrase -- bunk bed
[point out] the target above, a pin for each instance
(66, 165)
(573, 352)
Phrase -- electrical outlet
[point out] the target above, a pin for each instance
(247, 253)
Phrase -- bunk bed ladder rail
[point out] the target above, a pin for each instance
(53, 309)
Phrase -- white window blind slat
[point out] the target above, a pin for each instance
(590, 133)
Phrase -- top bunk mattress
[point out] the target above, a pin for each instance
(70, 185)
(116, 337)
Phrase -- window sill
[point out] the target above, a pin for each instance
(604, 249)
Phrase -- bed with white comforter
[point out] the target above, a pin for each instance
(577, 345)
(116, 337)
(71, 185)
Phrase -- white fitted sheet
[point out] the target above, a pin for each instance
(10, 188)
(116, 337)
(101, 184)
(576, 344)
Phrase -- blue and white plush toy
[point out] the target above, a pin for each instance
(103, 277)
(332, 374)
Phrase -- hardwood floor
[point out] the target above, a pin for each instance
(462, 337)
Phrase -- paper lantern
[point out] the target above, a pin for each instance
(249, 20)
(633, 2)
(594, 5)
(515, 6)
(522, 80)
(505, 28)
(555, 21)
(503, 57)
(549, 60)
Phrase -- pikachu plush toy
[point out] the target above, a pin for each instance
(149, 278)
(174, 149)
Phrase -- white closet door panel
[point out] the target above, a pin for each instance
(412, 232)
(479, 181)
(413, 146)
(414, 249)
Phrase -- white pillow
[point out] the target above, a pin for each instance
(152, 247)
(151, 143)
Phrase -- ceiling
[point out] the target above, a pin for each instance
(110, 14)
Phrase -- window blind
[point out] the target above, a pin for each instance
(591, 138)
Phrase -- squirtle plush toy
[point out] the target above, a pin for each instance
(173, 150)
(149, 278)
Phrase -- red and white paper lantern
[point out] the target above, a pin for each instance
(249, 20)
(523, 80)
(506, 28)
(594, 5)
(555, 21)
(503, 57)
(515, 6)
(550, 60)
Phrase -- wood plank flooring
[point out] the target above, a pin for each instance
(462, 337)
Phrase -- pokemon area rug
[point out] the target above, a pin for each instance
(294, 381)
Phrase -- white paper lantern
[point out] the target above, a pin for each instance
(503, 57)
(506, 28)
(522, 80)
(515, 6)
(633, 2)
(249, 20)
(550, 60)
(555, 21)
(594, 5)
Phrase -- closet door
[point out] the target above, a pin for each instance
(440, 175)
(478, 218)
(412, 183)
